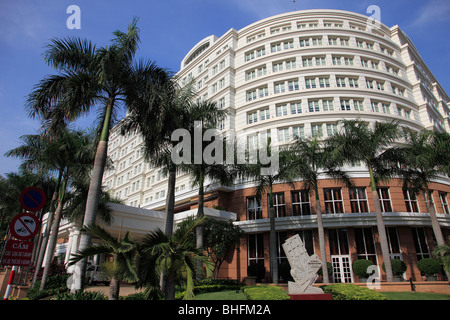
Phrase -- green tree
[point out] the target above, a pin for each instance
(221, 238)
(69, 153)
(308, 160)
(124, 251)
(89, 78)
(357, 141)
(173, 256)
(442, 253)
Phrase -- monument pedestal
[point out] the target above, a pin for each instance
(311, 296)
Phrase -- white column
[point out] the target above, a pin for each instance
(74, 246)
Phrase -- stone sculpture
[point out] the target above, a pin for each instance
(303, 267)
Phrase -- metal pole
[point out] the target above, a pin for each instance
(10, 282)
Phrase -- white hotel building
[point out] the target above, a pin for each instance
(299, 73)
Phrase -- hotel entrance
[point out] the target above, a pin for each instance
(340, 255)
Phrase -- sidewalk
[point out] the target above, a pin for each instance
(125, 289)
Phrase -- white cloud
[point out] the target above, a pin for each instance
(432, 11)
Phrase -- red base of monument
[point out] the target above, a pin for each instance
(311, 296)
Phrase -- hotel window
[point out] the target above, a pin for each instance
(313, 106)
(279, 87)
(340, 82)
(345, 105)
(262, 71)
(264, 114)
(320, 61)
(293, 85)
(331, 129)
(255, 249)
(254, 208)
(348, 61)
(369, 84)
(444, 203)
(316, 41)
(358, 200)
(263, 92)
(365, 244)
(300, 203)
(375, 107)
(333, 200)
(324, 82)
(420, 243)
(353, 82)
(411, 202)
(327, 105)
(307, 62)
(288, 44)
(281, 110)
(283, 135)
(250, 75)
(296, 107)
(316, 130)
(252, 117)
(278, 204)
(358, 105)
(394, 243)
(310, 83)
(251, 95)
(332, 41)
(299, 132)
(275, 47)
(385, 199)
(380, 85)
(386, 108)
(304, 42)
(290, 64)
(277, 66)
(336, 61)
(252, 142)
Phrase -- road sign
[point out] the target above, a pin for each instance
(24, 226)
(32, 199)
(17, 253)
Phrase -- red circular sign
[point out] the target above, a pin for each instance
(24, 226)
(32, 199)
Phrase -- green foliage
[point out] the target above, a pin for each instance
(360, 267)
(55, 284)
(429, 266)
(329, 268)
(85, 295)
(398, 267)
(345, 291)
(265, 293)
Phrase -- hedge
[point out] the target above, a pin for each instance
(265, 293)
(345, 291)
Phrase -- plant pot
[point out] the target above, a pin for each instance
(431, 278)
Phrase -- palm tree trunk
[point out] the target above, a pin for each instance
(199, 229)
(434, 222)
(93, 198)
(272, 240)
(170, 287)
(321, 231)
(170, 202)
(381, 229)
(53, 235)
(114, 289)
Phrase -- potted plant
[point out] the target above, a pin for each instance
(429, 267)
(360, 268)
(398, 268)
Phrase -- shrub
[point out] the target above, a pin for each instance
(345, 291)
(85, 295)
(428, 266)
(265, 293)
(360, 267)
(398, 267)
(55, 284)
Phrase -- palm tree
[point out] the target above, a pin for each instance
(88, 78)
(123, 249)
(358, 142)
(265, 181)
(68, 153)
(419, 167)
(309, 158)
(442, 252)
(172, 255)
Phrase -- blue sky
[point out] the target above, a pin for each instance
(169, 29)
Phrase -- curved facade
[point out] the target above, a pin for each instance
(299, 73)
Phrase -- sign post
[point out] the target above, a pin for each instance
(23, 227)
